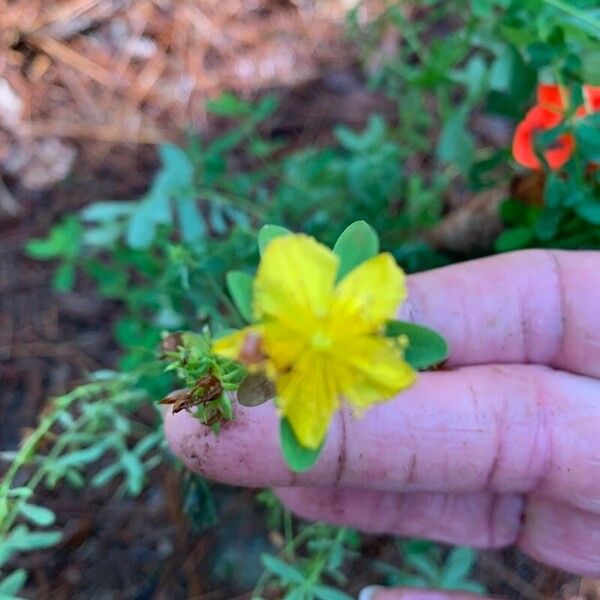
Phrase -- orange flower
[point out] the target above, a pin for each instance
(539, 119)
(549, 112)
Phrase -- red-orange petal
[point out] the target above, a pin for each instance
(538, 119)
(551, 96)
(592, 97)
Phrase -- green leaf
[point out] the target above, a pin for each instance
(12, 584)
(190, 220)
(268, 233)
(297, 457)
(64, 277)
(282, 569)
(134, 472)
(515, 212)
(228, 105)
(107, 211)
(456, 144)
(240, 285)
(358, 243)
(64, 240)
(426, 348)
(589, 211)
(325, 592)
(554, 191)
(373, 134)
(590, 66)
(266, 107)
(588, 139)
(425, 566)
(458, 565)
(141, 229)
(24, 540)
(39, 515)
(514, 238)
(547, 223)
(106, 475)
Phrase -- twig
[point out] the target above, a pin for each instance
(105, 132)
(70, 57)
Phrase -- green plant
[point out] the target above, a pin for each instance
(89, 436)
(426, 565)
(316, 557)
(488, 62)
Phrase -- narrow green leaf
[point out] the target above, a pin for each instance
(325, 592)
(425, 566)
(64, 277)
(358, 243)
(41, 249)
(39, 515)
(426, 348)
(24, 540)
(134, 472)
(457, 567)
(107, 211)
(240, 286)
(268, 233)
(190, 220)
(106, 475)
(140, 230)
(12, 584)
(229, 105)
(455, 143)
(297, 457)
(282, 569)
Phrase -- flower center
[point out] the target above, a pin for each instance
(320, 341)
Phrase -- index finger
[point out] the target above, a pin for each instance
(509, 429)
(536, 306)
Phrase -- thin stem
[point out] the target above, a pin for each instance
(288, 529)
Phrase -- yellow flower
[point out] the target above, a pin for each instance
(320, 341)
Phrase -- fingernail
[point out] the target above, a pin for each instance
(369, 592)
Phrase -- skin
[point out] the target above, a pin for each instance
(501, 448)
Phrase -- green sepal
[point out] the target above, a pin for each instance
(297, 457)
(357, 243)
(240, 285)
(268, 233)
(426, 348)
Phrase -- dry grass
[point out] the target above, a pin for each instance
(141, 70)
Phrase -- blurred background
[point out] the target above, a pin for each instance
(230, 113)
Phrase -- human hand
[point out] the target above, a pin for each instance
(501, 448)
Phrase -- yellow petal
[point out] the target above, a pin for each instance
(308, 397)
(230, 346)
(374, 290)
(282, 345)
(295, 281)
(375, 371)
